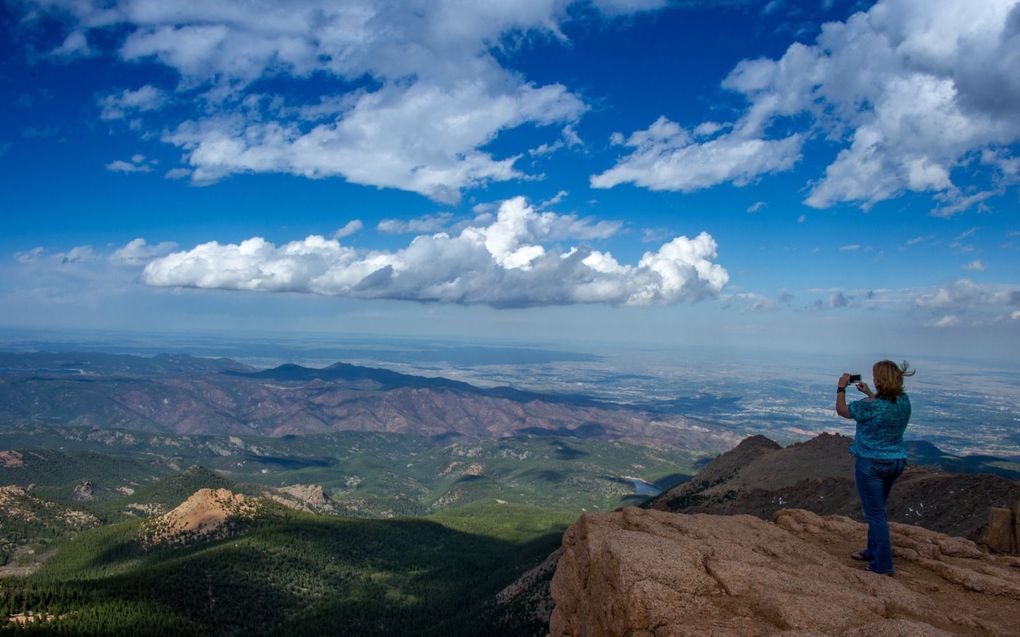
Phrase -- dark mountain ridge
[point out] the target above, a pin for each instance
(759, 477)
(387, 380)
(188, 395)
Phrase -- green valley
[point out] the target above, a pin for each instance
(357, 533)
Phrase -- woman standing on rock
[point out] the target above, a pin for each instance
(881, 456)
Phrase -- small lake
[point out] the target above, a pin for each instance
(644, 488)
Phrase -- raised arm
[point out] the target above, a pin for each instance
(841, 384)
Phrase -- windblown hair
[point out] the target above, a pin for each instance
(889, 379)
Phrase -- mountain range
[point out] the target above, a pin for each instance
(187, 395)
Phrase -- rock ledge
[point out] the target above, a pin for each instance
(653, 573)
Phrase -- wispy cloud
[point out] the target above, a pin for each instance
(555, 199)
(948, 320)
(74, 46)
(138, 164)
(351, 227)
(750, 301)
(568, 139)
(919, 239)
(137, 252)
(966, 233)
(425, 224)
(665, 156)
(129, 102)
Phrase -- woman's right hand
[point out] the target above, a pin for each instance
(864, 389)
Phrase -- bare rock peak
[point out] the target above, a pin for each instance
(206, 514)
(647, 572)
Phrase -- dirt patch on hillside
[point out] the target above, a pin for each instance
(11, 459)
(207, 514)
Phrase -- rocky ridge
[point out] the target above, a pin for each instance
(654, 573)
(759, 477)
(310, 498)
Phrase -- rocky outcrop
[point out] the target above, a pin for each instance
(207, 514)
(310, 498)
(759, 477)
(1002, 533)
(84, 491)
(311, 494)
(654, 573)
(531, 590)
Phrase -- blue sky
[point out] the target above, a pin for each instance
(819, 176)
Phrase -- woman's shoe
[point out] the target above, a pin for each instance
(860, 556)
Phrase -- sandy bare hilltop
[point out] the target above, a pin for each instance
(207, 514)
(654, 573)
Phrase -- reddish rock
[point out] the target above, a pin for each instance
(1015, 508)
(653, 573)
(998, 535)
(206, 514)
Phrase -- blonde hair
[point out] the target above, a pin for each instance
(889, 379)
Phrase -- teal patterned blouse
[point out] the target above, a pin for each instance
(880, 427)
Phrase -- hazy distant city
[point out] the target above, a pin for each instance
(961, 407)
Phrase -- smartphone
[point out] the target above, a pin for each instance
(855, 378)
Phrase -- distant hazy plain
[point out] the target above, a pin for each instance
(964, 407)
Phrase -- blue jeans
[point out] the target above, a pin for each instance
(874, 479)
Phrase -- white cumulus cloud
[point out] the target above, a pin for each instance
(423, 138)
(912, 89)
(511, 262)
(422, 92)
